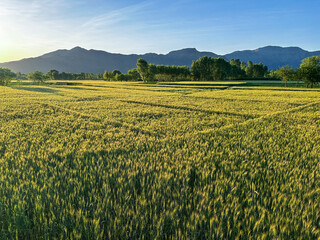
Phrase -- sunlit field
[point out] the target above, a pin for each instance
(106, 160)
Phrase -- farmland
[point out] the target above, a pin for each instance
(204, 160)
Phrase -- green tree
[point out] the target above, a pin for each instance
(237, 73)
(221, 69)
(115, 72)
(134, 75)
(259, 70)
(53, 74)
(237, 69)
(249, 69)
(99, 76)
(256, 70)
(121, 77)
(273, 74)
(143, 69)
(286, 73)
(108, 76)
(309, 71)
(37, 77)
(21, 76)
(172, 73)
(243, 66)
(152, 70)
(202, 69)
(6, 75)
(235, 62)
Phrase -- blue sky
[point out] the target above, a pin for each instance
(33, 27)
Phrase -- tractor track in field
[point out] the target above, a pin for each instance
(259, 118)
(190, 109)
(98, 120)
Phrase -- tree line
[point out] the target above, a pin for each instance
(203, 69)
(150, 73)
(219, 69)
(6, 75)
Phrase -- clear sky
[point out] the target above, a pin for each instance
(34, 27)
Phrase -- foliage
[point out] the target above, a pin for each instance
(171, 161)
(108, 76)
(142, 68)
(53, 74)
(286, 73)
(202, 69)
(207, 68)
(56, 75)
(21, 76)
(172, 73)
(309, 70)
(243, 66)
(121, 77)
(249, 69)
(116, 75)
(256, 71)
(147, 71)
(221, 69)
(115, 72)
(152, 71)
(273, 74)
(37, 76)
(237, 69)
(134, 75)
(6, 75)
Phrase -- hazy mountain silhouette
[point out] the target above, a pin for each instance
(93, 61)
(273, 56)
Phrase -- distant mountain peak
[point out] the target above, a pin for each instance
(185, 51)
(189, 50)
(278, 48)
(270, 47)
(77, 48)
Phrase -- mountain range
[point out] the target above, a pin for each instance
(78, 59)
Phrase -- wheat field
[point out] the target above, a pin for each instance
(107, 160)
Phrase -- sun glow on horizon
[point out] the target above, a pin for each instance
(7, 53)
(10, 53)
